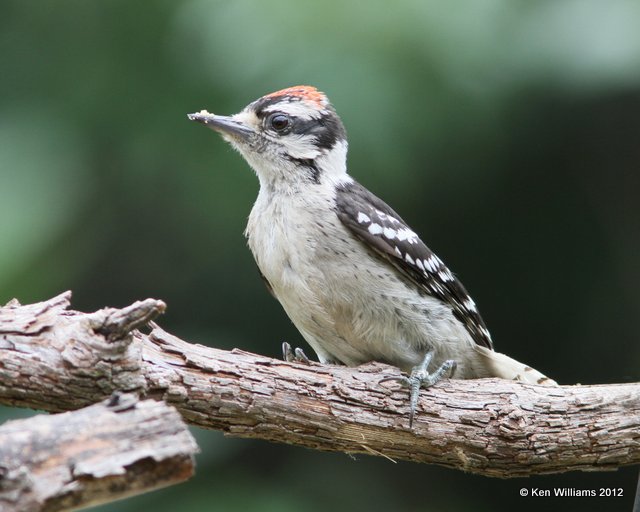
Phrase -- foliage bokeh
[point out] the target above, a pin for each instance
(506, 132)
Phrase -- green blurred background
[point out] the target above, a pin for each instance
(506, 132)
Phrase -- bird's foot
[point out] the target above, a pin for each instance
(296, 355)
(421, 378)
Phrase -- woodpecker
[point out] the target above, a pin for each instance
(357, 282)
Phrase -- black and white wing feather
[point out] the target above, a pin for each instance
(384, 231)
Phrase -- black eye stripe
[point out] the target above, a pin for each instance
(326, 127)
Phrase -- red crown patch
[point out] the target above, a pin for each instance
(304, 92)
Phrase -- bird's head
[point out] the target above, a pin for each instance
(288, 137)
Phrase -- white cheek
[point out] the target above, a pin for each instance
(300, 146)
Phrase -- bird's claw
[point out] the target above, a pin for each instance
(421, 378)
(296, 355)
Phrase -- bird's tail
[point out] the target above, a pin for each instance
(504, 367)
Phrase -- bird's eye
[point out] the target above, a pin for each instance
(279, 122)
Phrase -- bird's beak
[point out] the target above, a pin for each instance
(222, 124)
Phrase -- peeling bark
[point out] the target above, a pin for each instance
(104, 452)
(55, 359)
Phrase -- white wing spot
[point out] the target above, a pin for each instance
(420, 265)
(470, 305)
(383, 216)
(409, 259)
(363, 217)
(397, 251)
(407, 234)
(375, 229)
(390, 233)
(446, 275)
(432, 263)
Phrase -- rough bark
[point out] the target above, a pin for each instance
(101, 453)
(56, 359)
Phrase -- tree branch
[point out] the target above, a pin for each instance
(104, 452)
(55, 359)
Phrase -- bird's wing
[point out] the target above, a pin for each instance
(384, 231)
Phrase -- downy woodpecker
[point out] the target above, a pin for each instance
(354, 278)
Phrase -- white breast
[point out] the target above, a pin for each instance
(286, 246)
(349, 305)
